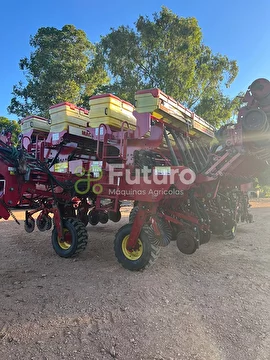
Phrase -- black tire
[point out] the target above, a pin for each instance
(250, 218)
(43, 223)
(186, 242)
(204, 237)
(115, 216)
(133, 214)
(103, 217)
(77, 238)
(149, 251)
(29, 226)
(217, 226)
(49, 224)
(93, 217)
(229, 232)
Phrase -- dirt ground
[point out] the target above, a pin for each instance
(212, 305)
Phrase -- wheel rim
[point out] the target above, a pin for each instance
(132, 254)
(66, 243)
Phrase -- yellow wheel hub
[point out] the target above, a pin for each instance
(132, 254)
(66, 244)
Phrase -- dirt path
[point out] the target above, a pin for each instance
(213, 305)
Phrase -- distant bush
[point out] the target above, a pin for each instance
(265, 191)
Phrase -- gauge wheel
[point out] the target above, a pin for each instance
(103, 217)
(29, 225)
(142, 256)
(230, 232)
(93, 217)
(115, 216)
(44, 222)
(74, 238)
(186, 242)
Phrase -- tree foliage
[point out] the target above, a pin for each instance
(167, 52)
(218, 108)
(12, 126)
(62, 67)
(264, 177)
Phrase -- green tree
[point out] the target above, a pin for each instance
(62, 67)
(264, 177)
(218, 108)
(12, 126)
(167, 52)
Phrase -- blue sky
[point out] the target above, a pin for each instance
(236, 28)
